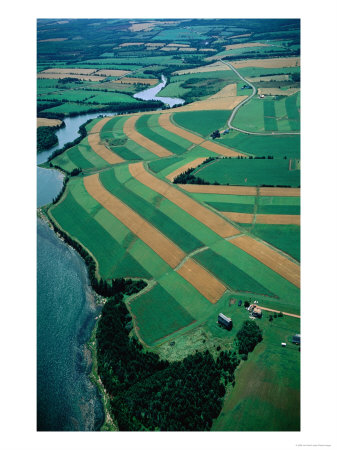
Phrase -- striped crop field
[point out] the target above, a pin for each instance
(196, 243)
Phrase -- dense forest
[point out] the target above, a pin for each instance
(46, 138)
(148, 393)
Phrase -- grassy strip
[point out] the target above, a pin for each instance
(231, 275)
(149, 211)
(142, 126)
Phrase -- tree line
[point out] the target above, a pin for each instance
(46, 138)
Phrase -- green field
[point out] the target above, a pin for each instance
(98, 238)
(269, 114)
(202, 122)
(249, 172)
(231, 275)
(277, 146)
(284, 237)
(266, 396)
(158, 314)
(144, 128)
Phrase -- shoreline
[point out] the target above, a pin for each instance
(108, 424)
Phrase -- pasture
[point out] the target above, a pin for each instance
(201, 122)
(266, 396)
(249, 172)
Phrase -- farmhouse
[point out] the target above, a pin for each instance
(297, 339)
(262, 96)
(226, 321)
(256, 312)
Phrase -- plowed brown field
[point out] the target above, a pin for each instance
(278, 219)
(70, 71)
(54, 76)
(43, 122)
(244, 45)
(202, 280)
(95, 143)
(112, 72)
(165, 248)
(195, 209)
(279, 263)
(277, 91)
(130, 130)
(273, 63)
(280, 192)
(239, 217)
(191, 165)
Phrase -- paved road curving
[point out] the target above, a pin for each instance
(235, 110)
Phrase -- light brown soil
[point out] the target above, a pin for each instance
(278, 219)
(275, 310)
(215, 189)
(165, 122)
(207, 50)
(168, 49)
(277, 91)
(130, 130)
(189, 49)
(280, 192)
(165, 248)
(277, 262)
(192, 207)
(239, 36)
(272, 63)
(56, 76)
(239, 217)
(70, 71)
(226, 98)
(129, 80)
(112, 72)
(142, 26)
(95, 143)
(244, 45)
(269, 78)
(208, 286)
(129, 44)
(43, 122)
(191, 165)
(215, 67)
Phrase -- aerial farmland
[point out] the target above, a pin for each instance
(182, 196)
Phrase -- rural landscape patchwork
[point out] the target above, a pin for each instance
(181, 194)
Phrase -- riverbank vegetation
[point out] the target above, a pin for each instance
(46, 138)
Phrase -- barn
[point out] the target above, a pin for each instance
(225, 321)
(297, 339)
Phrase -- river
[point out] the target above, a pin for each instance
(66, 311)
(151, 94)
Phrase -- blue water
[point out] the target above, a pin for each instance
(151, 94)
(66, 399)
(66, 311)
